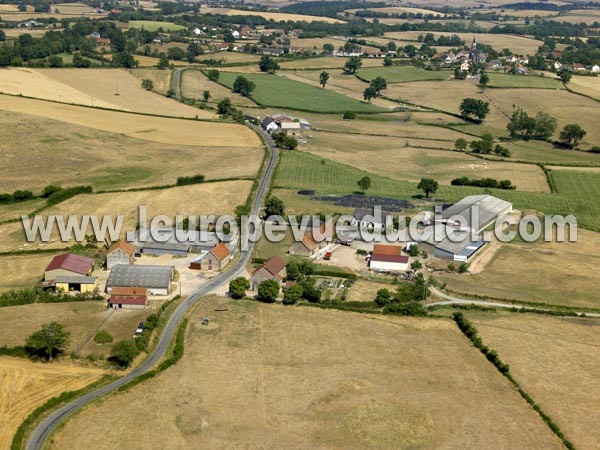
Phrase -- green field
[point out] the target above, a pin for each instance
(501, 80)
(299, 170)
(399, 74)
(546, 153)
(275, 91)
(153, 25)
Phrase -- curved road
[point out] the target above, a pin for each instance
(47, 426)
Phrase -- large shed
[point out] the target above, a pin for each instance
(477, 212)
(156, 279)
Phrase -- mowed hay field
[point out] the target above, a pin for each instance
(270, 15)
(25, 385)
(554, 272)
(398, 74)
(23, 271)
(391, 157)
(209, 198)
(586, 85)
(194, 83)
(58, 152)
(155, 129)
(277, 91)
(160, 78)
(499, 80)
(274, 377)
(94, 87)
(325, 62)
(557, 361)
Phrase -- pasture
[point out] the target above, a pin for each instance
(209, 198)
(23, 271)
(277, 91)
(105, 88)
(394, 158)
(544, 152)
(555, 360)
(399, 74)
(148, 128)
(276, 16)
(69, 155)
(153, 25)
(194, 82)
(272, 382)
(554, 272)
(586, 85)
(25, 385)
(501, 80)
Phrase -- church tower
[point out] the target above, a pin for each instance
(474, 44)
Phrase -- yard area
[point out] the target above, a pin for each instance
(277, 91)
(307, 378)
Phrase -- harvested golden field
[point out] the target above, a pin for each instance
(149, 61)
(586, 85)
(231, 57)
(326, 62)
(25, 385)
(16, 32)
(68, 155)
(442, 95)
(74, 8)
(400, 10)
(365, 291)
(566, 107)
(15, 210)
(156, 129)
(160, 78)
(269, 15)
(22, 271)
(269, 381)
(208, 198)
(23, 16)
(392, 157)
(194, 82)
(555, 273)
(317, 44)
(556, 360)
(106, 88)
(518, 44)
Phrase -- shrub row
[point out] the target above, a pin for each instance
(28, 296)
(67, 193)
(194, 179)
(483, 182)
(471, 333)
(16, 197)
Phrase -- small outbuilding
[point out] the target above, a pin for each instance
(215, 259)
(128, 298)
(388, 258)
(121, 252)
(273, 269)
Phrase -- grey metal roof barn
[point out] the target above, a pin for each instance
(150, 277)
(479, 211)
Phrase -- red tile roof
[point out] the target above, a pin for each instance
(309, 242)
(123, 245)
(220, 251)
(275, 265)
(72, 263)
(128, 296)
(400, 259)
(383, 249)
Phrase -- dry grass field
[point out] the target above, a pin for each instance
(66, 154)
(273, 377)
(317, 43)
(23, 271)
(231, 57)
(269, 15)
(586, 85)
(326, 62)
(12, 211)
(25, 385)
(107, 88)
(208, 198)
(555, 273)
(365, 291)
(392, 157)
(155, 129)
(149, 61)
(194, 82)
(518, 44)
(400, 10)
(160, 78)
(556, 361)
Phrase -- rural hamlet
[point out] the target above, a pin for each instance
(299, 225)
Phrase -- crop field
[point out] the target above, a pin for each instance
(518, 44)
(194, 82)
(405, 126)
(500, 80)
(555, 273)
(74, 8)
(160, 78)
(149, 61)
(399, 74)
(586, 85)
(25, 385)
(269, 15)
(564, 106)
(152, 25)
(325, 62)
(106, 88)
(68, 155)
(273, 90)
(209, 198)
(400, 10)
(391, 157)
(555, 360)
(231, 57)
(272, 383)
(317, 43)
(154, 129)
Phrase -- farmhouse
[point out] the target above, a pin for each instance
(312, 242)
(128, 298)
(578, 67)
(156, 279)
(121, 252)
(215, 259)
(272, 269)
(476, 212)
(388, 258)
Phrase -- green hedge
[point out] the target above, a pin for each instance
(28, 296)
(67, 193)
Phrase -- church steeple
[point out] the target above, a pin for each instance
(474, 44)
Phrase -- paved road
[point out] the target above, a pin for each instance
(451, 300)
(47, 426)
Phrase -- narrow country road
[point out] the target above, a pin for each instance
(47, 426)
(451, 300)
(176, 82)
